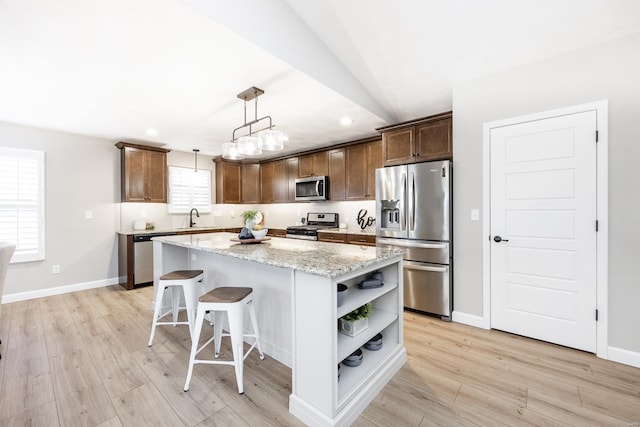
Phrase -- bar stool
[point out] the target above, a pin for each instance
(232, 301)
(187, 280)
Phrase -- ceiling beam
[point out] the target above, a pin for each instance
(275, 27)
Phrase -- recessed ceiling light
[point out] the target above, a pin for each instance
(152, 132)
(346, 121)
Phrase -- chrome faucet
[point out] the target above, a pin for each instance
(191, 221)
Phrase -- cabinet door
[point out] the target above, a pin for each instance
(398, 146)
(292, 174)
(280, 182)
(316, 164)
(433, 140)
(337, 174)
(266, 182)
(133, 177)
(363, 160)
(332, 237)
(250, 183)
(156, 177)
(357, 177)
(228, 181)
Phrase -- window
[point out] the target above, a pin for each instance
(189, 189)
(22, 202)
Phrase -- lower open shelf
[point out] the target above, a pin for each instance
(351, 378)
(379, 320)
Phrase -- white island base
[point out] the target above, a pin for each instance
(296, 305)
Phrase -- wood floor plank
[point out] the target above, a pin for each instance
(21, 393)
(89, 406)
(224, 418)
(41, 416)
(567, 413)
(145, 407)
(168, 373)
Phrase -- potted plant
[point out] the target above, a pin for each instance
(251, 218)
(356, 321)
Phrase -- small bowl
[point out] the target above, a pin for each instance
(259, 234)
(375, 343)
(354, 359)
(343, 290)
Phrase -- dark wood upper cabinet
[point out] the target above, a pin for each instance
(228, 182)
(292, 174)
(316, 164)
(418, 141)
(337, 174)
(273, 182)
(250, 183)
(266, 183)
(363, 160)
(143, 173)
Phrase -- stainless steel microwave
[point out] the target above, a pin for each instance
(312, 188)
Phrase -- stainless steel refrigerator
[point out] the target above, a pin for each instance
(413, 206)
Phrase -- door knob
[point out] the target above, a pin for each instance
(499, 239)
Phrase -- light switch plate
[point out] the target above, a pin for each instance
(475, 214)
(88, 215)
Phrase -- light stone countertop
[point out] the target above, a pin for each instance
(169, 230)
(319, 258)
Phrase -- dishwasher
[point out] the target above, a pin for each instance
(143, 258)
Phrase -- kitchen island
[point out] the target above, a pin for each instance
(295, 297)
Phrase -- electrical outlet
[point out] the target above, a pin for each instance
(194, 257)
(88, 215)
(475, 214)
(55, 269)
(143, 214)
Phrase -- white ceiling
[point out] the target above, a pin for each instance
(116, 68)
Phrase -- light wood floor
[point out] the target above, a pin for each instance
(82, 359)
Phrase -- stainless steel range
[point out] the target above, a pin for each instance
(315, 222)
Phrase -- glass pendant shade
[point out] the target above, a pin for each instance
(230, 151)
(249, 145)
(271, 140)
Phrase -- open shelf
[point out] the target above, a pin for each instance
(377, 322)
(352, 378)
(357, 297)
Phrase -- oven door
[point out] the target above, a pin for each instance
(427, 287)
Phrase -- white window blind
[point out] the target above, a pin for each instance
(22, 202)
(189, 189)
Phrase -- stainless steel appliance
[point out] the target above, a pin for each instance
(143, 258)
(312, 188)
(315, 222)
(414, 206)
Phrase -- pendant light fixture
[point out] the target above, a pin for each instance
(257, 140)
(196, 151)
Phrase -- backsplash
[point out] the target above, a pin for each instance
(280, 215)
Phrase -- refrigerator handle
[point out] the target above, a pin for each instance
(412, 202)
(403, 205)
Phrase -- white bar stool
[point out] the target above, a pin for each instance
(232, 301)
(187, 280)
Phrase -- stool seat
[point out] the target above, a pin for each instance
(232, 301)
(225, 295)
(181, 275)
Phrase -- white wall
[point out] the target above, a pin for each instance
(607, 71)
(82, 174)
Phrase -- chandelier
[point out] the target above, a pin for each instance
(257, 140)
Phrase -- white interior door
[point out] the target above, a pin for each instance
(543, 207)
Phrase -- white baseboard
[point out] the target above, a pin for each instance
(626, 357)
(23, 296)
(471, 320)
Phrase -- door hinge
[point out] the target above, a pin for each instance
(597, 136)
(596, 315)
(597, 225)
